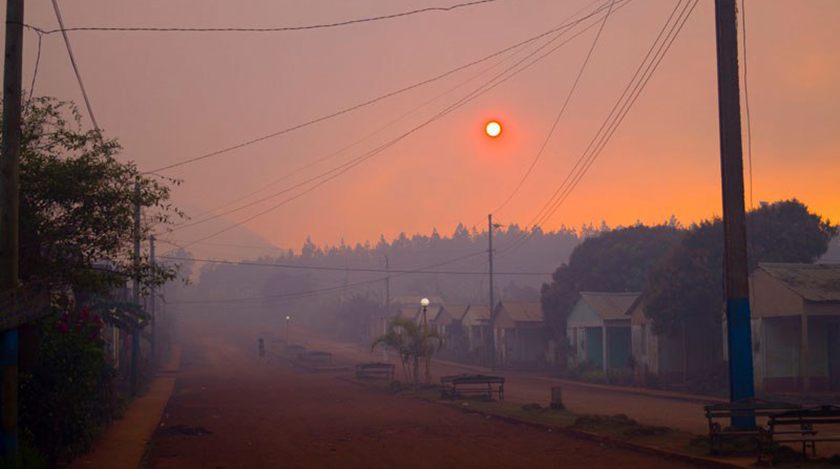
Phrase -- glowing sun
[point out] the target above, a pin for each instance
(493, 129)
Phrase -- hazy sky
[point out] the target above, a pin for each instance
(171, 96)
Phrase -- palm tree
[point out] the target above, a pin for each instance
(412, 343)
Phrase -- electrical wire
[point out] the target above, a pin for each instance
(370, 101)
(335, 172)
(457, 6)
(559, 114)
(602, 137)
(346, 269)
(329, 289)
(75, 67)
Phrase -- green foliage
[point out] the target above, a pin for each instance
(412, 344)
(77, 204)
(66, 397)
(687, 286)
(611, 261)
(29, 457)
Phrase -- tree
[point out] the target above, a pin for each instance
(77, 204)
(412, 344)
(610, 261)
(685, 290)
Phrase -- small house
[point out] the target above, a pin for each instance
(477, 324)
(520, 334)
(655, 357)
(796, 327)
(598, 330)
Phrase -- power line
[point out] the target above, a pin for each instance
(337, 171)
(329, 289)
(560, 113)
(578, 171)
(345, 269)
(75, 67)
(62, 29)
(370, 101)
(351, 145)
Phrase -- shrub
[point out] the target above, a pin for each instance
(66, 396)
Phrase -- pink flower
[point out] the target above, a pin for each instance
(63, 328)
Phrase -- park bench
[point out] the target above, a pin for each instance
(375, 370)
(798, 426)
(477, 385)
(725, 411)
(318, 357)
(297, 351)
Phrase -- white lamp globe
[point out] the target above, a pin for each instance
(424, 302)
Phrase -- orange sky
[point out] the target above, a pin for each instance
(173, 96)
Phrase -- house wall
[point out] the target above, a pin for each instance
(645, 351)
(780, 350)
(772, 298)
(618, 347)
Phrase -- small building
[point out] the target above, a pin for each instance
(478, 324)
(520, 334)
(598, 330)
(655, 357)
(796, 327)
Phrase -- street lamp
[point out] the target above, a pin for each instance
(425, 304)
(288, 318)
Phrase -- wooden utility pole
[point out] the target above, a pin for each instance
(9, 231)
(387, 286)
(135, 334)
(492, 299)
(152, 301)
(739, 335)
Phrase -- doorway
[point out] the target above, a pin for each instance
(833, 343)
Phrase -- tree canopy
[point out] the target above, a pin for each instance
(77, 204)
(688, 284)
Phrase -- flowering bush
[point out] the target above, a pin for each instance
(65, 398)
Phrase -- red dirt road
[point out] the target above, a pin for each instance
(265, 414)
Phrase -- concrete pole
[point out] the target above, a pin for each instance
(739, 335)
(152, 303)
(9, 213)
(135, 335)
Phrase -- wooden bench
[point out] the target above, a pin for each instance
(298, 351)
(798, 426)
(747, 407)
(317, 356)
(478, 385)
(375, 370)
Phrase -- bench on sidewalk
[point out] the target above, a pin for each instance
(477, 385)
(317, 356)
(297, 351)
(375, 370)
(798, 426)
(747, 407)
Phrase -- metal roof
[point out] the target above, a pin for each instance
(611, 305)
(524, 311)
(813, 282)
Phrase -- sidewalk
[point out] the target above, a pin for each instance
(124, 443)
(604, 387)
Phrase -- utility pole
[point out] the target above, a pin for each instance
(9, 210)
(152, 302)
(492, 300)
(739, 334)
(135, 334)
(387, 285)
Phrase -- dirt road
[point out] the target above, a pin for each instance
(232, 409)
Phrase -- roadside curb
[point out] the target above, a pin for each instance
(603, 387)
(580, 434)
